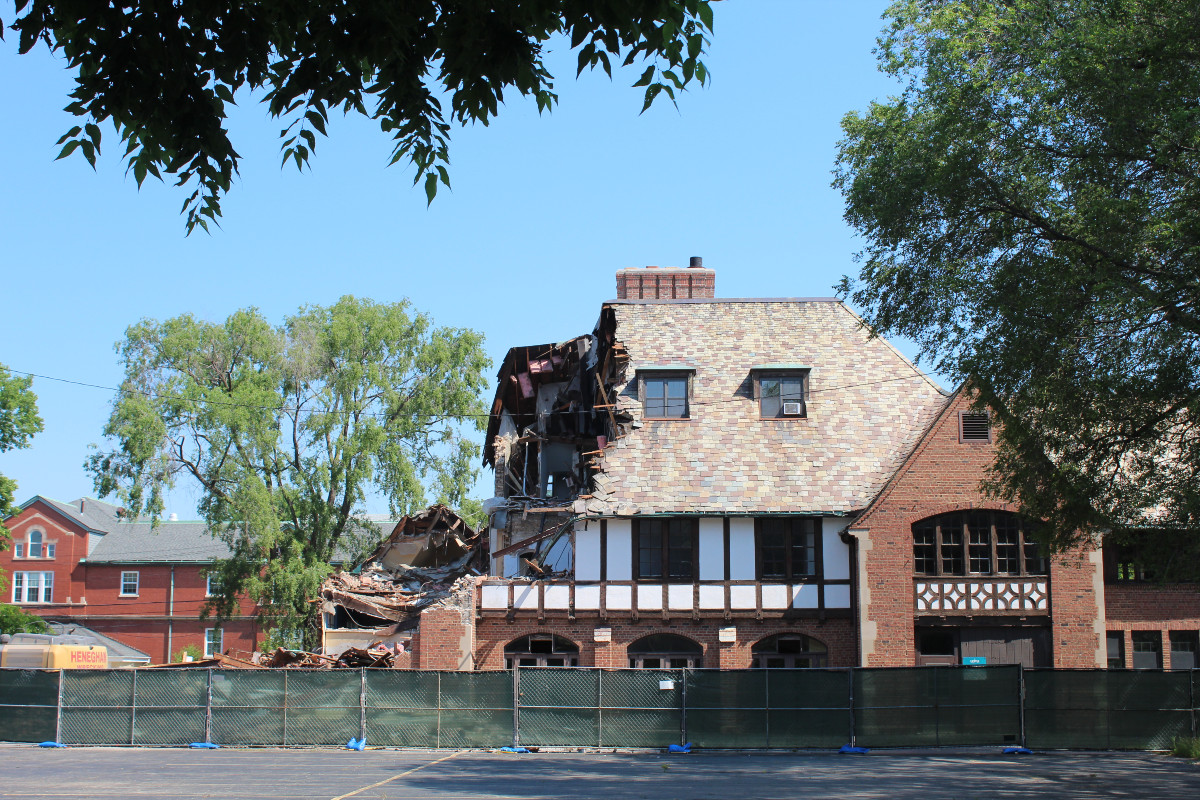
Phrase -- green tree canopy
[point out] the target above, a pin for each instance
(1031, 210)
(15, 620)
(163, 73)
(19, 421)
(286, 431)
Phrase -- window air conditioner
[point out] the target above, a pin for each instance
(793, 409)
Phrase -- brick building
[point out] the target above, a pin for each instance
(757, 482)
(82, 562)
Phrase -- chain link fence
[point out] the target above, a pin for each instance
(587, 707)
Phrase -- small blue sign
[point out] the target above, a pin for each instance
(974, 661)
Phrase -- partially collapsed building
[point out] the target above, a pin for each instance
(423, 570)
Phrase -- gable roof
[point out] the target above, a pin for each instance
(116, 540)
(867, 406)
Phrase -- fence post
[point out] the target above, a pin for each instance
(58, 714)
(285, 707)
(850, 708)
(133, 707)
(1021, 699)
(685, 672)
(439, 709)
(516, 704)
(599, 707)
(1192, 697)
(767, 705)
(362, 704)
(516, 701)
(208, 710)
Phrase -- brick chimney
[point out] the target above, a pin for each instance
(667, 283)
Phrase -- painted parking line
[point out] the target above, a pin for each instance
(398, 777)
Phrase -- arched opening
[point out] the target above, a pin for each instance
(35, 544)
(665, 651)
(541, 650)
(789, 651)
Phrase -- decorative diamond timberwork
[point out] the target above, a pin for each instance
(982, 597)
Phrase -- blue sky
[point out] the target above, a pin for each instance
(544, 210)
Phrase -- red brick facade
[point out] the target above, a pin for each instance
(494, 632)
(942, 475)
(1146, 607)
(160, 618)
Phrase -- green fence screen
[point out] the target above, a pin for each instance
(586, 707)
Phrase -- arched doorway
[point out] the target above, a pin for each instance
(789, 651)
(541, 650)
(665, 651)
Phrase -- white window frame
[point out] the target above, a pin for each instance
(19, 550)
(208, 642)
(137, 580)
(209, 582)
(24, 582)
(41, 543)
(49, 549)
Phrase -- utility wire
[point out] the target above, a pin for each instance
(447, 415)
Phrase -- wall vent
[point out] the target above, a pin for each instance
(974, 427)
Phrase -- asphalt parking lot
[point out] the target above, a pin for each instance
(100, 772)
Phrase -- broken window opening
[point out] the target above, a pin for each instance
(665, 651)
(541, 650)
(789, 651)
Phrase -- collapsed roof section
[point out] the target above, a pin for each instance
(554, 412)
(415, 567)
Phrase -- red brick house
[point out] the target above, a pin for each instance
(82, 562)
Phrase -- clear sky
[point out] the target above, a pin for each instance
(543, 211)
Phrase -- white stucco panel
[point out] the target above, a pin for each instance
(742, 597)
(741, 549)
(805, 596)
(836, 552)
(525, 596)
(620, 550)
(494, 597)
(650, 597)
(712, 549)
(712, 597)
(587, 554)
(557, 597)
(775, 596)
(618, 598)
(587, 598)
(837, 596)
(679, 597)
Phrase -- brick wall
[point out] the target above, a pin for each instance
(445, 639)
(494, 632)
(1150, 607)
(943, 475)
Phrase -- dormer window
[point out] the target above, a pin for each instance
(781, 390)
(666, 392)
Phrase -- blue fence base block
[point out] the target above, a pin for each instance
(680, 748)
(513, 750)
(1017, 751)
(203, 746)
(356, 744)
(51, 744)
(849, 748)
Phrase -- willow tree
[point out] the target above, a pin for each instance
(287, 430)
(1031, 210)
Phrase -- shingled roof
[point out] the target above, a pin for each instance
(116, 540)
(867, 406)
